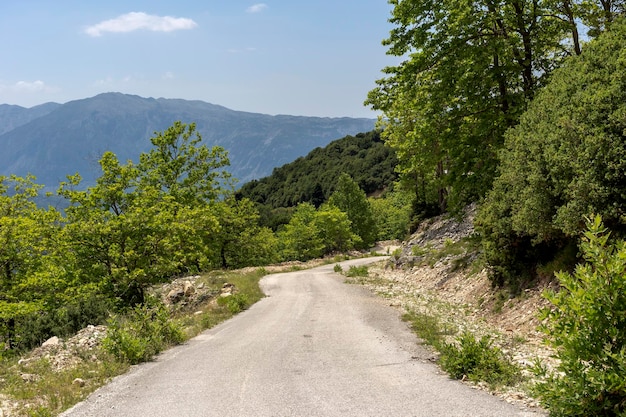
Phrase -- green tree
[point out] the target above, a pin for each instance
(30, 281)
(180, 167)
(586, 325)
(335, 229)
(392, 214)
(300, 238)
(144, 223)
(241, 241)
(566, 159)
(468, 70)
(598, 15)
(350, 199)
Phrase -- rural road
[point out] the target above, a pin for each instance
(314, 347)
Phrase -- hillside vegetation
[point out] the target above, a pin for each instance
(172, 213)
(494, 104)
(313, 178)
(502, 104)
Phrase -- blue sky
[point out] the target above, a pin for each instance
(313, 58)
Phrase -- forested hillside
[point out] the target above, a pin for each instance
(520, 107)
(313, 178)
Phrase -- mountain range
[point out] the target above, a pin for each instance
(54, 140)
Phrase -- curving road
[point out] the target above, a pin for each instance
(314, 347)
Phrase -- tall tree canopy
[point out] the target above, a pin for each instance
(469, 69)
(145, 222)
(351, 199)
(565, 160)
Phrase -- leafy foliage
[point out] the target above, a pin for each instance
(240, 240)
(234, 303)
(478, 360)
(587, 327)
(300, 238)
(468, 70)
(565, 160)
(357, 271)
(145, 331)
(334, 228)
(313, 178)
(392, 214)
(349, 198)
(143, 223)
(30, 247)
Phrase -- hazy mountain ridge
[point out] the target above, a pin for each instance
(12, 116)
(54, 140)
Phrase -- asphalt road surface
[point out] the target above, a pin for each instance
(314, 347)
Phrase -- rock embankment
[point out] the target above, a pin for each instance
(438, 272)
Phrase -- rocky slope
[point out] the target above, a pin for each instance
(438, 272)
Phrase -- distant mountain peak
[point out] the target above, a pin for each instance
(53, 140)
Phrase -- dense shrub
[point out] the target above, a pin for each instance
(357, 271)
(587, 326)
(478, 360)
(142, 333)
(566, 159)
(64, 321)
(234, 303)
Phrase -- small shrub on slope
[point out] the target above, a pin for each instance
(144, 332)
(587, 327)
(357, 271)
(478, 360)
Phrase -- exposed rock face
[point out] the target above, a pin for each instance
(434, 233)
(185, 293)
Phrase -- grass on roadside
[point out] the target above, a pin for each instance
(35, 388)
(357, 271)
(465, 357)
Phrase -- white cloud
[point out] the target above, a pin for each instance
(256, 8)
(33, 86)
(138, 20)
(169, 75)
(26, 93)
(104, 81)
(27, 87)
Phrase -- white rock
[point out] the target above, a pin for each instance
(188, 288)
(53, 341)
